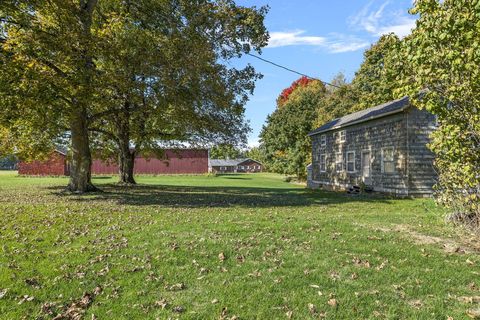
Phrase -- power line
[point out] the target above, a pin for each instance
(291, 70)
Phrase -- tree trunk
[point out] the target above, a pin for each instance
(81, 161)
(126, 163)
(126, 156)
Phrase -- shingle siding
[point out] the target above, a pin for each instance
(406, 132)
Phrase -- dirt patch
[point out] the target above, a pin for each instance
(448, 245)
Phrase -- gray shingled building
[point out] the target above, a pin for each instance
(234, 166)
(383, 148)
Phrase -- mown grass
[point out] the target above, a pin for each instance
(245, 246)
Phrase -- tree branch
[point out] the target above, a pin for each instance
(105, 132)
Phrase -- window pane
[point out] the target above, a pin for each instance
(350, 166)
(388, 154)
(389, 167)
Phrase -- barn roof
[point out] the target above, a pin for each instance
(228, 162)
(364, 115)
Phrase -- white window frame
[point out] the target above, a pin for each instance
(389, 161)
(323, 140)
(223, 168)
(347, 162)
(339, 162)
(323, 164)
(343, 135)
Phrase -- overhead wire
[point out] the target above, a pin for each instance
(290, 70)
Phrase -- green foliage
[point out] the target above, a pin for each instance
(373, 84)
(256, 153)
(338, 101)
(284, 137)
(443, 77)
(225, 151)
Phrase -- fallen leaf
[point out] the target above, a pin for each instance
(417, 304)
(311, 308)
(334, 275)
(472, 299)
(474, 313)
(221, 256)
(333, 302)
(178, 309)
(162, 303)
(176, 287)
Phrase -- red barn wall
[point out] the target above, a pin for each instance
(174, 162)
(55, 165)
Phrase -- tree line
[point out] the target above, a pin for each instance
(437, 66)
(115, 78)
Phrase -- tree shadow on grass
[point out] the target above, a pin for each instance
(192, 197)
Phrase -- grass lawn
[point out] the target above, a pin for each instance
(227, 247)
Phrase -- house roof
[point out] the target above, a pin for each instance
(364, 115)
(62, 150)
(228, 162)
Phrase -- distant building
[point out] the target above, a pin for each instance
(383, 148)
(54, 165)
(174, 161)
(235, 166)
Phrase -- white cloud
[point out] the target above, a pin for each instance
(402, 28)
(380, 20)
(334, 43)
(343, 43)
(253, 142)
(294, 38)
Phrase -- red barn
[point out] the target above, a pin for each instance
(174, 161)
(55, 165)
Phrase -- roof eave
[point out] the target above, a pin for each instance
(359, 121)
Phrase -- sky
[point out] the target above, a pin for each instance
(319, 38)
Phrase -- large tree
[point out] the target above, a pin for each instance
(372, 84)
(284, 137)
(340, 99)
(142, 70)
(48, 52)
(173, 83)
(443, 76)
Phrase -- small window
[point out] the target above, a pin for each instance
(323, 140)
(388, 164)
(339, 162)
(351, 161)
(343, 136)
(323, 163)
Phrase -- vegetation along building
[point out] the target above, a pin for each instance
(235, 165)
(383, 148)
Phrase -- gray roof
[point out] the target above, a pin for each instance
(364, 115)
(62, 150)
(228, 162)
(225, 163)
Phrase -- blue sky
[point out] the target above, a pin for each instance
(319, 38)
